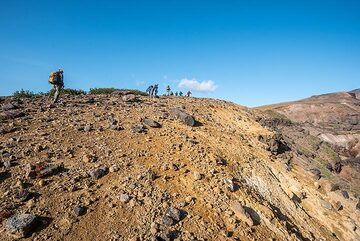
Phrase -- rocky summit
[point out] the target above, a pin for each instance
(126, 167)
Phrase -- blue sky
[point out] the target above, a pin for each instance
(254, 52)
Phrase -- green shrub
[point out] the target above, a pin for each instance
(100, 91)
(24, 94)
(68, 91)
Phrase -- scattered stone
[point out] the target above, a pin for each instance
(184, 117)
(337, 167)
(230, 185)
(21, 194)
(42, 170)
(4, 214)
(358, 205)
(334, 187)
(240, 213)
(316, 173)
(326, 204)
(129, 98)
(7, 164)
(197, 176)
(89, 158)
(172, 216)
(49, 170)
(338, 206)
(151, 123)
(87, 128)
(151, 175)
(277, 145)
(98, 173)
(138, 129)
(317, 185)
(123, 197)
(154, 228)
(329, 167)
(114, 168)
(188, 199)
(80, 210)
(42, 183)
(20, 225)
(345, 194)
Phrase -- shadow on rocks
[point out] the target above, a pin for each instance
(4, 175)
(42, 223)
(253, 214)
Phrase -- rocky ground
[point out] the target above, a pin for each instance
(112, 167)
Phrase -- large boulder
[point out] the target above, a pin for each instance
(151, 123)
(20, 225)
(129, 98)
(184, 117)
(13, 114)
(9, 106)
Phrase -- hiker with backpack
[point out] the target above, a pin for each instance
(154, 92)
(150, 90)
(57, 80)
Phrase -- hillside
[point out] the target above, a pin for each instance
(112, 167)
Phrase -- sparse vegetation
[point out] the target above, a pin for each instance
(101, 91)
(68, 91)
(24, 94)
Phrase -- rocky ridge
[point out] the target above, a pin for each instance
(112, 167)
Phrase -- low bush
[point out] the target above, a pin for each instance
(68, 91)
(24, 94)
(101, 91)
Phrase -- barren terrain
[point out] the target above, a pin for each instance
(109, 167)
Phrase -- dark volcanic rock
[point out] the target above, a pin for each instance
(9, 106)
(22, 195)
(345, 194)
(98, 173)
(49, 170)
(337, 167)
(334, 187)
(172, 216)
(138, 129)
(277, 145)
(80, 210)
(151, 123)
(12, 115)
(184, 117)
(20, 225)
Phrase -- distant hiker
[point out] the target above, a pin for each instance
(149, 90)
(176, 93)
(168, 89)
(154, 91)
(57, 80)
(180, 93)
(188, 94)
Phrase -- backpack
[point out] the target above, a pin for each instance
(54, 78)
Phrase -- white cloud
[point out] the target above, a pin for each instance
(194, 85)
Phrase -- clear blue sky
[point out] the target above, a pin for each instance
(255, 52)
